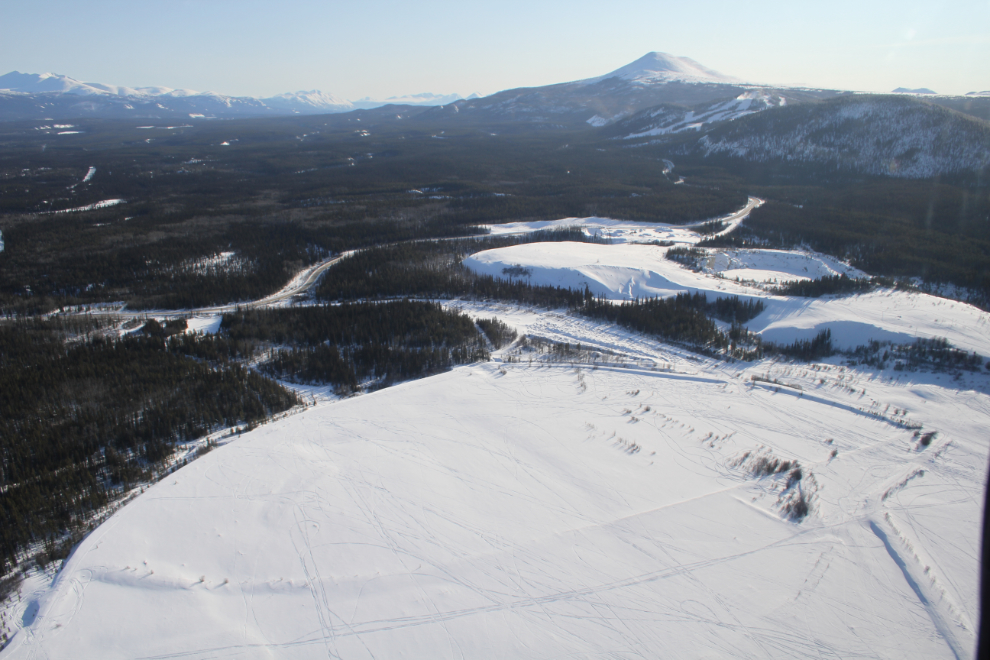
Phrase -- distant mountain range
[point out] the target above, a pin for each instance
(49, 95)
(659, 98)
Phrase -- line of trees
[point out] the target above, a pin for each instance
(346, 345)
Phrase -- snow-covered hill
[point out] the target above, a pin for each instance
(894, 135)
(667, 119)
(658, 68)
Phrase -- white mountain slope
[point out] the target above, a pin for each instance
(35, 83)
(671, 119)
(424, 99)
(657, 68)
(314, 99)
(545, 510)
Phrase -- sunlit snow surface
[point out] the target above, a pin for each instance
(531, 509)
(540, 511)
(624, 272)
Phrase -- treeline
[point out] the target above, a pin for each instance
(345, 345)
(81, 422)
(824, 286)
(682, 318)
(498, 333)
(935, 353)
(432, 269)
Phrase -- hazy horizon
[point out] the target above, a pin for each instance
(384, 49)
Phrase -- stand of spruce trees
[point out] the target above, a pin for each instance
(345, 345)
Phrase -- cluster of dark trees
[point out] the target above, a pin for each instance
(498, 333)
(679, 319)
(687, 256)
(345, 345)
(82, 421)
(936, 354)
(804, 349)
(432, 269)
(825, 286)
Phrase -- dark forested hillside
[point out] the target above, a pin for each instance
(939, 233)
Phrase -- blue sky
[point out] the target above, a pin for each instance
(384, 47)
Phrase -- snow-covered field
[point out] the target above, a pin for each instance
(543, 510)
(614, 503)
(625, 272)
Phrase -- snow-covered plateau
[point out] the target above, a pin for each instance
(621, 498)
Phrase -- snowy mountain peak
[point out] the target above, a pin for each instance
(423, 99)
(40, 83)
(659, 67)
(33, 83)
(314, 98)
(905, 90)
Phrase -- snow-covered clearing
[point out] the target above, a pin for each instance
(775, 265)
(629, 499)
(540, 510)
(208, 324)
(619, 232)
(89, 207)
(625, 272)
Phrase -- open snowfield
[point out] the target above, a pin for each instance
(615, 503)
(625, 272)
(546, 510)
(776, 265)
